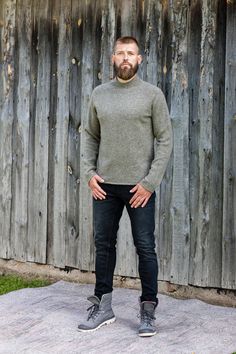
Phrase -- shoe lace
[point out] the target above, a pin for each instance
(147, 317)
(94, 310)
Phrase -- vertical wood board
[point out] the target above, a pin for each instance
(229, 200)
(38, 171)
(7, 38)
(20, 185)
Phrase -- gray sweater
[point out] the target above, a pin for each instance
(125, 121)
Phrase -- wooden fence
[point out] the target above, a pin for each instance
(52, 54)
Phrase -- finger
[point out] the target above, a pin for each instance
(145, 202)
(99, 195)
(94, 181)
(135, 196)
(100, 190)
(136, 203)
(134, 189)
(99, 179)
(96, 187)
(138, 195)
(94, 196)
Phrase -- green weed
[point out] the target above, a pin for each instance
(12, 282)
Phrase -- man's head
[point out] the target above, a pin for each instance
(126, 57)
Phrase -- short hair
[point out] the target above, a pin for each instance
(126, 39)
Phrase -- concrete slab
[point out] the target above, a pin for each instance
(44, 320)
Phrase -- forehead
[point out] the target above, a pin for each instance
(126, 47)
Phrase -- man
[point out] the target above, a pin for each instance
(126, 117)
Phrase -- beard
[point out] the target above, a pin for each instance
(127, 72)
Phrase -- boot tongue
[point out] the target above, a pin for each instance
(94, 299)
(149, 306)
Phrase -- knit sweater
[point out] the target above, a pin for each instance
(128, 134)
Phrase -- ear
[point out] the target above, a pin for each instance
(112, 58)
(140, 59)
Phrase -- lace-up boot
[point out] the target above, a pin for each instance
(147, 311)
(100, 313)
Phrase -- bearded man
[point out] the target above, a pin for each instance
(128, 142)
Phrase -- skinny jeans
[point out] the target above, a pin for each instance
(106, 216)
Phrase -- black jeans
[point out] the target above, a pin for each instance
(107, 214)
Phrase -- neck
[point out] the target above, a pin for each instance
(125, 81)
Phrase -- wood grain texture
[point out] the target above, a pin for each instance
(229, 201)
(7, 38)
(55, 16)
(61, 135)
(74, 133)
(86, 242)
(40, 106)
(164, 234)
(20, 185)
(205, 267)
(179, 114)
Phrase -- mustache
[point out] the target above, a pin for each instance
(126, 63)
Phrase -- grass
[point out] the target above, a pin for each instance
(14, 282)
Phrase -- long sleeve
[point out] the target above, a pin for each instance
(162, 131)
(91, 141)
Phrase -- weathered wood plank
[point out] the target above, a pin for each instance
(7, 39)
(55, 15)
(229, 201)
(86, 242)
(179, 114)
(195, 21)
(204, 266)
(38, 171)
(107, 41)
(214, 248)
(61, 136)
(164, 237)
(126, 11)
(19, 220)
(73, 177)
(151, 66)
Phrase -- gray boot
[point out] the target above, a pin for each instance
(147, 327)
(100, 313)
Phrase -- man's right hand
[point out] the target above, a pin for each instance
(97, 191)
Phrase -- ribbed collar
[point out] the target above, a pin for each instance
(136, 80)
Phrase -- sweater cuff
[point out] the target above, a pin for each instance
(147, 186)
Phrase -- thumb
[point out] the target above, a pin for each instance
(134, 189)
(99, 179)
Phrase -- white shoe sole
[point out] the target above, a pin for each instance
(111, 320)
(147, 334)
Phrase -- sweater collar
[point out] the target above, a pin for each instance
(131, 83)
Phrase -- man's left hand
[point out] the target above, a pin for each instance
(140, 197)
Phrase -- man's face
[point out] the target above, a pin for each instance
(126, 60)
